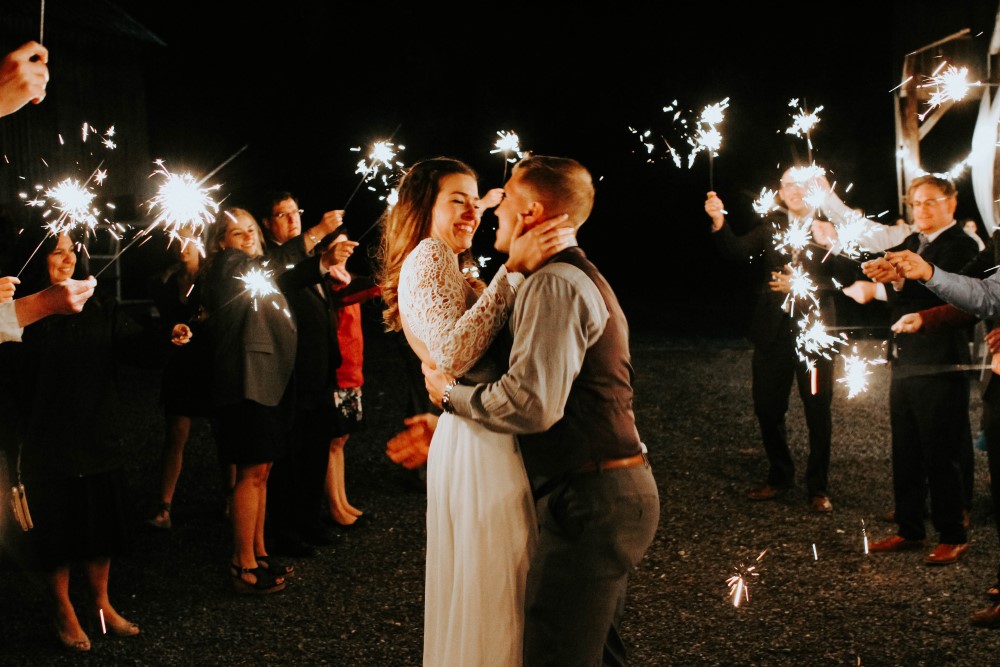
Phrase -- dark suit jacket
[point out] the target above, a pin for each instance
(317, 351)
(769, 320)
(253, 346)
(951, 251)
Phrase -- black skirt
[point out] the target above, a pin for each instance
(76, 520)
(249, 433)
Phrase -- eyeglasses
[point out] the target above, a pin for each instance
(929, 203)
(287, 214)
(787, 185)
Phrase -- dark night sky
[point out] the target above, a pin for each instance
(303, 82)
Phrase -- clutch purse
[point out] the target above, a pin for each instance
(19, 499)
(19, 504)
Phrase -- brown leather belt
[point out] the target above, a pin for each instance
(639, 459)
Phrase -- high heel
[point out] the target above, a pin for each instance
(277, 568)
(161, 519)
(264, 582)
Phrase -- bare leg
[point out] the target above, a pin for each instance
(66, 624)
(249, 502)
(178, 431)
(341, 511)
(228, 487)
(97, 575)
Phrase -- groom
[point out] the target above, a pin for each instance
(568, 394)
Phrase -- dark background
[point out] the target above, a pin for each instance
(294, 86)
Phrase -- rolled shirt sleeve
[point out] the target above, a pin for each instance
(10, 331)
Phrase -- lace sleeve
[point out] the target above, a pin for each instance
(432, 299)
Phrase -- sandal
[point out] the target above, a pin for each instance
(162, 517)
(264, 582)
(275, 567)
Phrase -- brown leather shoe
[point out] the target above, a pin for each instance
(946, 554)
(766, 492)
(895, 543)
(986, 618)
(820, 504)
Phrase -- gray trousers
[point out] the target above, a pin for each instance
(595, 527)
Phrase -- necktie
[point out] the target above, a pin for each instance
(924, 241)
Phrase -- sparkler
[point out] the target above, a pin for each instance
(950, 85)
(258, 284)
(803, 123)
(182, 205)
(814, 340)
(381, 155)
(708, 138)
(856, 373)
(506, 144)
(739, 582)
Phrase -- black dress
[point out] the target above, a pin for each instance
(62, 382)
(185, 390)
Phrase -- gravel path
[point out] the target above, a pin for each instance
(818, 599)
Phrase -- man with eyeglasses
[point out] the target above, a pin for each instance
(296, 483)
(969, 297)
(928, 395)
(774, 327)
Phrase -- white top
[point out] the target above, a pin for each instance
(440, 308)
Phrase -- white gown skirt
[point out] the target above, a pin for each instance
(481, 532)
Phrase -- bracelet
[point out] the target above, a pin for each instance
(446, 397)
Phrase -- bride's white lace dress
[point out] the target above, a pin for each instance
(481, 526)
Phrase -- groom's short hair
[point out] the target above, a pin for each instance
(561, 184)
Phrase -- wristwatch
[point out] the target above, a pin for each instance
(446, 397)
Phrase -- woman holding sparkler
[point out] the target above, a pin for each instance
(253, 350)
(480, 515)
(184, 391)
(69, 454)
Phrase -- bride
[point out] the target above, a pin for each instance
(481, 526)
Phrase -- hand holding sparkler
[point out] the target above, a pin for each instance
(824, 233)
(862, 291)
(881, 271)
(181, 334)
(7, 286)
(24, 73)
(491, 199)
(328, 224)
(716, 210)
(909, 264)
(908, 323)
(66, 297)
(337, 253)
(781, 281)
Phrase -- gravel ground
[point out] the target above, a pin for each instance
(818, 599)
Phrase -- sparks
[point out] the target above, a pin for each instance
(381, 156)
(950, 85)
(181, 201)
(258, 284)
(73, 201)
(739, 581)
(856, 373)
(508, 143)
(814, 340)
(804, 121)
(766, 202)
